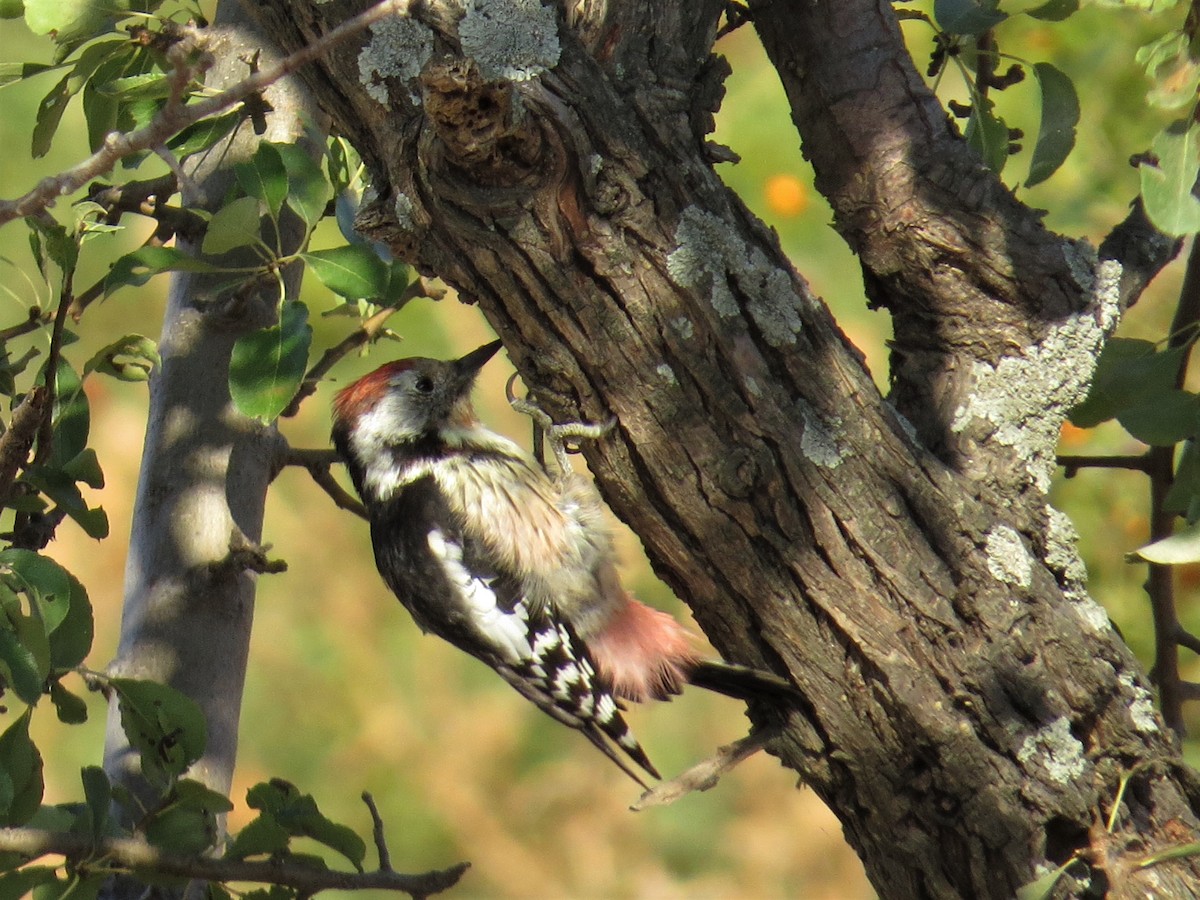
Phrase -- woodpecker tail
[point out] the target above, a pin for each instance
(643, 653)
(741, 682)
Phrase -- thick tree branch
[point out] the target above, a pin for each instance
(144, 859)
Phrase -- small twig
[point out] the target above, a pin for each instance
(385, 858)
(173, 118)
(135, 855)
(319, 463)
(1185, 638)
(16, 442)
(33, 322)
(705, 775)
(1072, 464)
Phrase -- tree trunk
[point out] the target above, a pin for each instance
(969, 711)
(205, 468)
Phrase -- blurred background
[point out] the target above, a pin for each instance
(344, 695)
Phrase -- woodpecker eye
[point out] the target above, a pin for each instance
(424, 385)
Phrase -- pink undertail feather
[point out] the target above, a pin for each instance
(643, 653)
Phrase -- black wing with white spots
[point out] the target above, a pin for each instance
(453, 589)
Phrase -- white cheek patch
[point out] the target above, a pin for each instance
(505, 632)
(371, 443)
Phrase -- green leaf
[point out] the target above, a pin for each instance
(141, 265)
(86, 468)
(142, 86)
(309, 192)
(69, 17)
(1166, 419)
(165, 727)
(22, 666)
(194, 795)
(71, 709)
(1054, 10)
(60, 245)
(71, 641)
(11, 72)
(1180, 851)
(98, 792)
(1060, 115)
(264, 177)
(21, 883)
(267, 366)
(967, 16)
(22, 765)
(1186, 486)
(61, 488)
(1174, 70)
(204, 133)
(261, 837)
(178, 829)
(49, 115)
(1129, 372)
(988, 134)
(1042, 887)
(129, 358)
(237, 224)
(46, 582)
(354, 271)
(298, 815)
(71, 416)
(1168, 187)
(1178, 549)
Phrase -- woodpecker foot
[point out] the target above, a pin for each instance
(563, 438)
(705, 775)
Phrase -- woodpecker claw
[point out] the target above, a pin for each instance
(558, 435)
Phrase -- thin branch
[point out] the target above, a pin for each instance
(17, 440)
(1072, 464)
(137, 855)
(174, 117)
(33, 322)
(366, 333)
(1185, 638)
(319, 463)
(385, 858)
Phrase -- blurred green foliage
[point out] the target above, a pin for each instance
(344, 694)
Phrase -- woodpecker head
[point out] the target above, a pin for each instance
(408, 400)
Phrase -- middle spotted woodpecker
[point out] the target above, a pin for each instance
(514, 566)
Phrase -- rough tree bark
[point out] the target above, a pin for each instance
(968, 709)
(202, 488)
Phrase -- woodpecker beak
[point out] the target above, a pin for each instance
(468, 366)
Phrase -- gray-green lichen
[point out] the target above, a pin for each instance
(709, 254)
(399, 48)
(1007, 558)
(510, 39)
(819, 441)
(683, 327)
(404, 210)
(1141, 708)
(666, 373)
(1058, 751)
(1064, 561)
(1026, 396)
